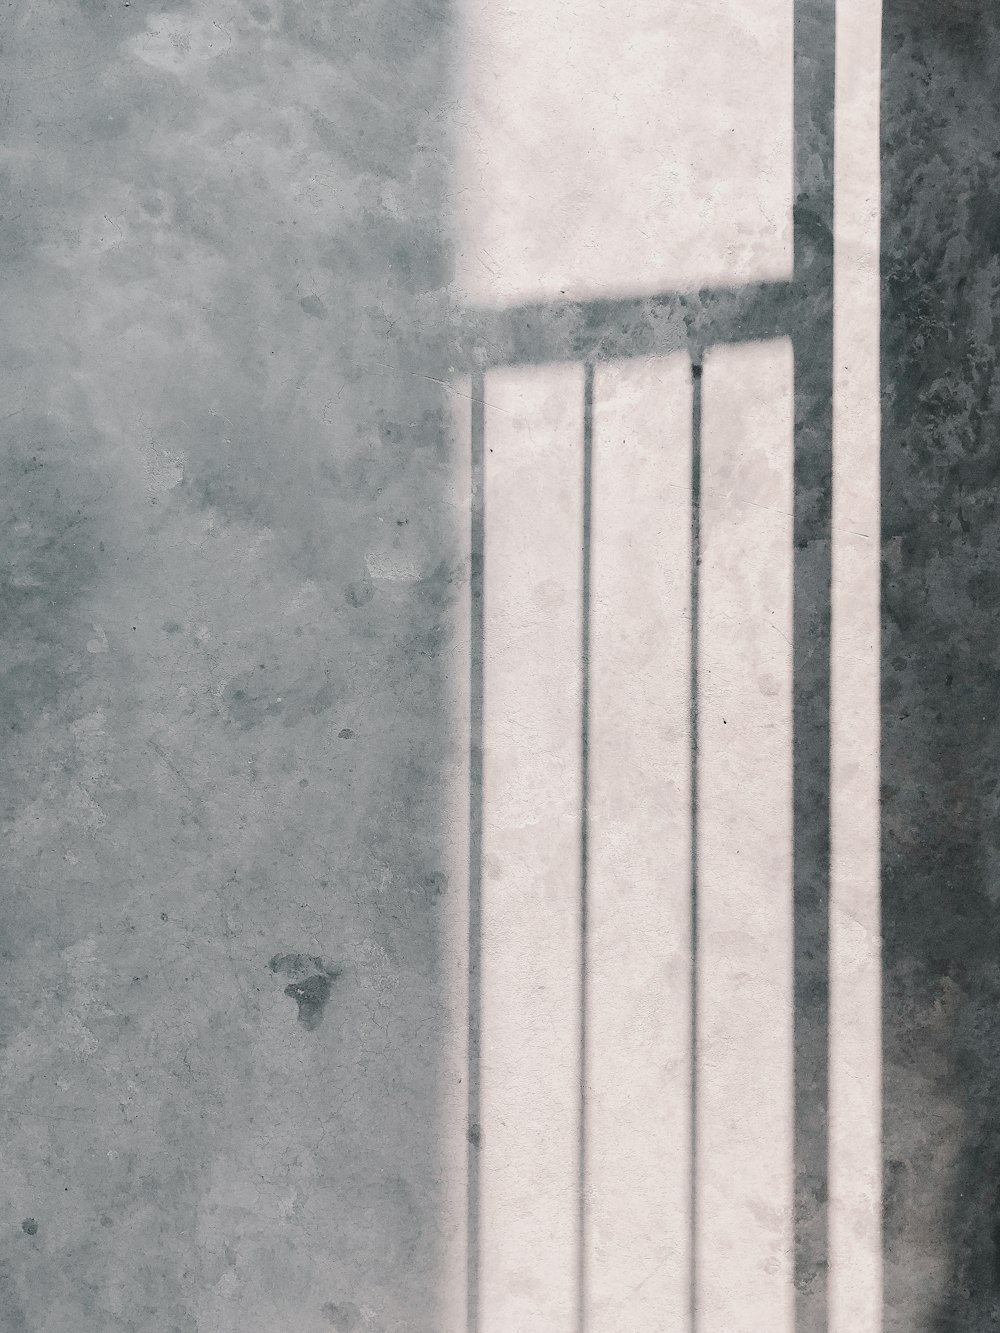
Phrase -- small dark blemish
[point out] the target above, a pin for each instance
(310, 993)
(295, 964)
(476, 1136)
(106, 1221)
(346, 734)
(311, 996)
(359, 594)
(436, 883)
(163, 916)
(312, 305)
(29, 1226)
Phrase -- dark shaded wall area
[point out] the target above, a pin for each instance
(941, 663)
(227, 579)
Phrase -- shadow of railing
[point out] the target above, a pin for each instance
(594, 331)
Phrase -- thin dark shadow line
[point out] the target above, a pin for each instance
(814, 82)
(476, 695)
(693, 837)
(588, 513)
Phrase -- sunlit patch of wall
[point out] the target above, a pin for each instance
(740, 1040)
(608, 149)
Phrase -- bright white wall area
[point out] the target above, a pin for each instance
(855, 720)
(531, 850)
(638, 992)
(532, 232)
(745, 961)
(622, 148)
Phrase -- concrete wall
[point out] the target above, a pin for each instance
(228, 545)
(232, 641)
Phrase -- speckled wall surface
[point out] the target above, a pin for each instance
(941, 584)
(232, 561)
(228, 546)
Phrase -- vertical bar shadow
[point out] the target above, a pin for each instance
(693, 833)
(588, 500)
(813, 461)
(477, 648)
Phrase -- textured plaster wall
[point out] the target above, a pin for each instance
(228, 573)
(231, 568)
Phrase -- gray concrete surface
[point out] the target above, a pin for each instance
(228, 551)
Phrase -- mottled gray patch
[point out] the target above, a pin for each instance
(251, 699)
(29, 1226)
(346, 734)
(436, 884)
(15, 241)
(311, 996)
(321, 700)
(439, 588)
(343, 1315)
(12, 1316)
(295, 964)
(108, 121)
(49, 554)
(310, 985)
(418, 260)
(312, 305)
(360, 593)
(223, 468)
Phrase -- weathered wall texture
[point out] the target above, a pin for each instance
(231, 567)
(227, 579)
(941, 642)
